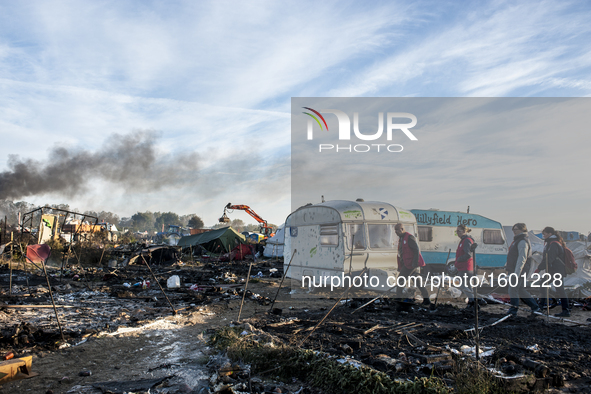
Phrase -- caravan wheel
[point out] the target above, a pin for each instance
(451, 268)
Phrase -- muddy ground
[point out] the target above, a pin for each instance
(116, 333)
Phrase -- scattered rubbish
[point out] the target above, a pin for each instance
(278, 311)
(534, 348)
(15, 369)
(540, 370)
(454, 293)
(174, 282)
(8, 356)
(129, 385)
(352, 362)
(483, 351)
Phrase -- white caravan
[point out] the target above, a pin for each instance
(337, 238)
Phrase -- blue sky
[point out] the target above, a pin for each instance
(210, 83)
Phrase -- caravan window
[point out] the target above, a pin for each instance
(492, 237)
(356, 231)
(382, 236)
(329, 235)
(425, 233)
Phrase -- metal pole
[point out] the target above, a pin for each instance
(284, 275)
(351, 257)
(156, 280)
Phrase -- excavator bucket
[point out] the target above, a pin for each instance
(224, 218)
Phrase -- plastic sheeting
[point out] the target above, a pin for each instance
(275, 244)
(583, 259)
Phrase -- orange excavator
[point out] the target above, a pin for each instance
(265, 229)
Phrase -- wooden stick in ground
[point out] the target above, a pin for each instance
(156, 280)
(476, 306)
(375, 299)
(52, 301)
(284, 275)
(25, 266)
(329, 312)
(102, 254)
(245, 287)
(11, 255)
(434, 305)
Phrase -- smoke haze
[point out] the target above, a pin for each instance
(130, 160)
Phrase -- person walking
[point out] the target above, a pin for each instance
(554, 258)
(410, 261)
(519, 253)
(465, 263)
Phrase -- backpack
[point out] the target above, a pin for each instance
(570, 265)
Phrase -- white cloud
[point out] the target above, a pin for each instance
(217, 77)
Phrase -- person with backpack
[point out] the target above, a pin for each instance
(465, 263)
(554, 257)
(518, 261)
(410, 261)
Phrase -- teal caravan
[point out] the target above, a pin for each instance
(437, 235)
(337, 238)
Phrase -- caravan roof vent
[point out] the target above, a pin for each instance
(360, 200)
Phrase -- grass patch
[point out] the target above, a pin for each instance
(470, 378)
(318, 370)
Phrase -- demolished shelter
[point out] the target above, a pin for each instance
(222, 240)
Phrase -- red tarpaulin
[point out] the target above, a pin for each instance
(238, 253)
(38, 253)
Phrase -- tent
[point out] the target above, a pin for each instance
(157, 254)
(221, 240)
(274, 246)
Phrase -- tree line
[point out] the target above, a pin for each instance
(140, 221)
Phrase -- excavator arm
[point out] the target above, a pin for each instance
(265, 229)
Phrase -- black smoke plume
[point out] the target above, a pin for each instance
(130, 160)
